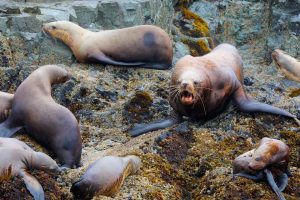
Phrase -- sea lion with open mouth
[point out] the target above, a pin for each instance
(201, 87)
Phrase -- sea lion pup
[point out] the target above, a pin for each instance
(49, 123)
(105, 176)
(201, 87)
(287, 64)
(16, 162)
(270, 158)
(5, 105)
(146, 45)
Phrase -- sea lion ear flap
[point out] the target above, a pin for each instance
(33, 186)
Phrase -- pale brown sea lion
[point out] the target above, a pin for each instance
(49, 123)
(105, 176)
(287, 64)
(5, 104)
(13, 143)
(16, 162)
(201, 87)
(269, 160)
(146, 45)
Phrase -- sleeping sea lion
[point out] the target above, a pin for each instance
(5, 105)
(201, 87)
(287, 64)
(13, 143)
(105, 176)
(269, 160)
(146, 45)
(49, 123)
(16, 162)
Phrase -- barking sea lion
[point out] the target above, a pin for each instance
(201, 87)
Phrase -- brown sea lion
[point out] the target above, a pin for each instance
(49, 123)
(5, 104)
(146, 45)
(269, 160)
(16, 162)
(287, 64)
(105, 176)
(201, 87)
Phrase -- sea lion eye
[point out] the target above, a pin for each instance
(53, 27)
(196, 82)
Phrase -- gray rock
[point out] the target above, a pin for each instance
(3, 24)
(25, 23)
(180, 51)
(86, 13)
(58, 13)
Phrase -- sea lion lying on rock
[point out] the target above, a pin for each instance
(145, 46)
(287, 64)
(49, 123)
(105, 176)
(201, 87)
(15, 161)
(270, 158)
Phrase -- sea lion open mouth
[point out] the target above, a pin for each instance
(187, 98)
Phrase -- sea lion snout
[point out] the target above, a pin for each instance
(187, 93)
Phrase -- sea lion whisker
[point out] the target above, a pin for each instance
(202, 104)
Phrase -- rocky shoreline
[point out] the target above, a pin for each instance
(195, 160)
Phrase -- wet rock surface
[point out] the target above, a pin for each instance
(188, 161)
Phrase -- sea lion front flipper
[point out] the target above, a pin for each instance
(282, 181)
(102, 58)
(273, 185)
(256, 177)
(246, 104)
(140, 129)
(33, 186)
(6, 131)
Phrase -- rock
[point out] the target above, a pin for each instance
(3, 24)
(25, 23)
(180, 50)
(86, 13)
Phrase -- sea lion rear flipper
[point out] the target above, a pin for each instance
(6, 131)
(140, 129)
(273, 185)
(246, 104)
(33, 186)
(282, 181)
(102, 58)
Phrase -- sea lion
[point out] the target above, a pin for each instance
(201, 87)
(269, 160)
(13, 143)
(16, 162)
(105, 176)
(5, 104)
(49, 123)
(287, 64)
(146, 45)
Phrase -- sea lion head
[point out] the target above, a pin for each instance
(43, 162)
(56, 74)
(136, 163)
(269, 152)
(84, 188)
(241, 163)
(187, 86)
(62, 30)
